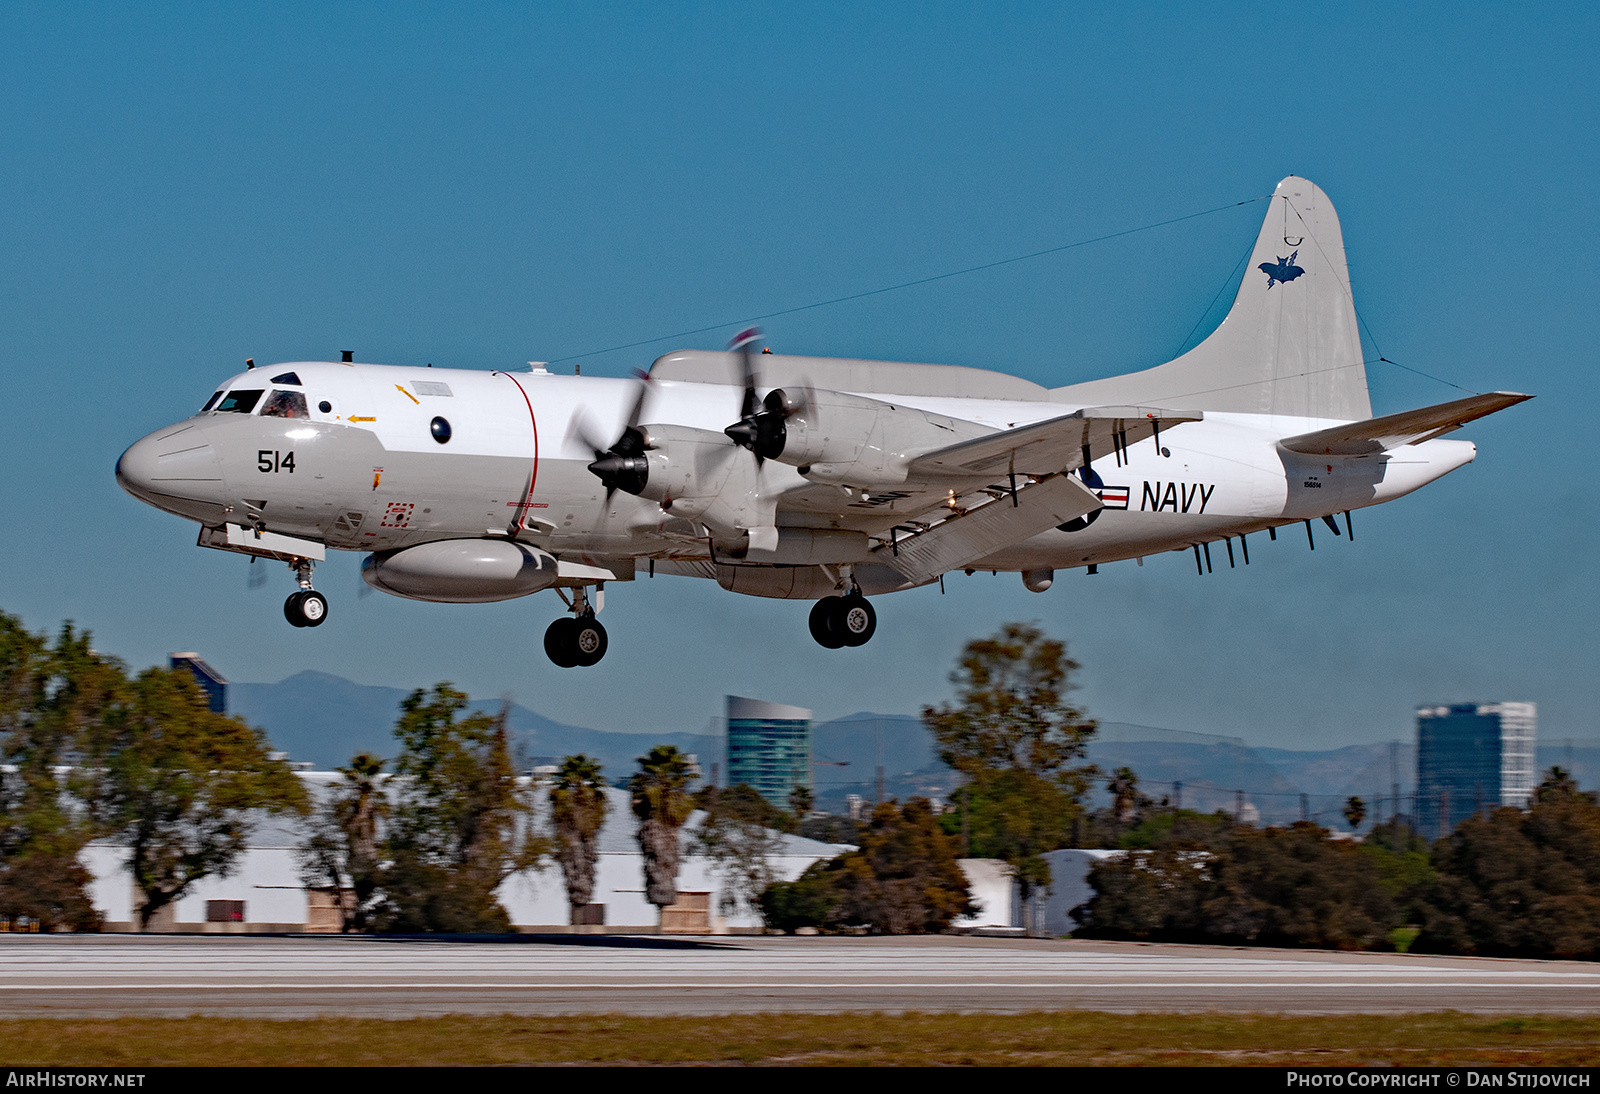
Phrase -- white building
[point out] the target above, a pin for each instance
(264, 892)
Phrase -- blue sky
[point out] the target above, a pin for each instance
(480, 185)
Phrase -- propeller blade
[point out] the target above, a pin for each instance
(643, 377)
(580, 429)
(744, 345)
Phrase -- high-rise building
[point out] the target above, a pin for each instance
(769, 748)
(1472, 756)
(210, 680)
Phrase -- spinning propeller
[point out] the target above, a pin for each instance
(761, 427)
(622, 465)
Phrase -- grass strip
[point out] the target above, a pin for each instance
(1064, 1038)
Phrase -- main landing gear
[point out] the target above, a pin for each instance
(578, 640)
(843, 621)
(306, 608)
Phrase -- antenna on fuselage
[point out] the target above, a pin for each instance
(249, 363)
(348, 356)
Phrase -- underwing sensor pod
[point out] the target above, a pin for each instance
(462, 571)
(826, 479)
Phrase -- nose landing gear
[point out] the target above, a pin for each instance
(578, 640)
(306, 608)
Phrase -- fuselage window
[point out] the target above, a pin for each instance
(211, 402)
(440, 430)
(240, 402)
(287, 378)
(286, 404)
(325, 406)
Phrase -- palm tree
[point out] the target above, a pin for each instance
(359, 813)
(661, 802)
(578, 808)
(1124, 788)
(1355, 811)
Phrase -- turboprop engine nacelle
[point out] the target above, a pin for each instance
(838, 438)
(462, 571)
(699, 475)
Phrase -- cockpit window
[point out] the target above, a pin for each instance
(286, 404)
(286, 378)
(211, 402)
(240, 402)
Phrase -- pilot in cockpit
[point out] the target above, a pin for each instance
(285, 404)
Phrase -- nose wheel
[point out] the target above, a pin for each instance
(843, 621)
(306, 608)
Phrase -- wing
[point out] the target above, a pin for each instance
(1044, 448)
(1043, 453)
(1393, 430)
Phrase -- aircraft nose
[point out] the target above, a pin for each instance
(170, 461)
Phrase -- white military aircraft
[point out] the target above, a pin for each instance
(804, 477)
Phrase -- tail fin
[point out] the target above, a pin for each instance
(1289, 344)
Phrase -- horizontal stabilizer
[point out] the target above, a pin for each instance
(1393, 430)
(966, 537)
(1047, 447)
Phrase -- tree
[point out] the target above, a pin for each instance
(342, 849)
(1124, 788)
(1403, 865)
(740, 834)
(458, 826)
(801, 802)
(184, 785)
(1225, 883)
(1297, 887)
(1515, 884)
(1014, 736)
(904, 879)
(52, 702)
(1355, 811)
(578, 808)
(1559, 785)
(662, 804)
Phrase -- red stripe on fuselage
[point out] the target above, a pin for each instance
(533, 479)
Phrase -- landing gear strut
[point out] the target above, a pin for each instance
(578, 640)
(306, 608)
(847, 620)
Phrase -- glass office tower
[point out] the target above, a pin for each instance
(1472, 756)
(769, 747)
(210, 680)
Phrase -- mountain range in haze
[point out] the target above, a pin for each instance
(323, 719)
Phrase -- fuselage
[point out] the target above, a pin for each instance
(376, 458)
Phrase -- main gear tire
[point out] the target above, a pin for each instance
(560, 643)
(822, 628)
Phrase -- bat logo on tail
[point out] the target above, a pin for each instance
(1282, 270)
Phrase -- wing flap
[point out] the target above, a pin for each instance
(1047, 447)
(964, 538)
(1393, 430)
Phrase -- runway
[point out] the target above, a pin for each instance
(295, 977)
